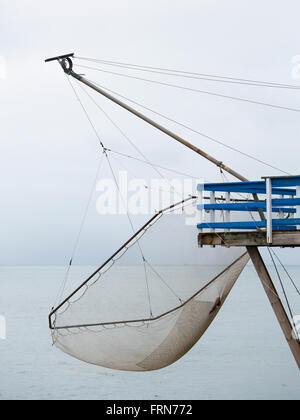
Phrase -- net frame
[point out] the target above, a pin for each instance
(131, 241)
(132, 321)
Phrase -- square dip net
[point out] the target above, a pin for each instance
(148, 304)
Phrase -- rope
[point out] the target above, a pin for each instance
(86, 114)
(287, 273)
(63, 286)
(105, 153)
(75, 247)
(153, 164)
(147, 288)
(194, 131)
(191, 75)
(264, 283)
(147, 186)
(127, 138)
(285, 295)
(235, 98)
(164, 282)
(116, 183)
(134, 231)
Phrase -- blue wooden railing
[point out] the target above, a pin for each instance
(286, 207)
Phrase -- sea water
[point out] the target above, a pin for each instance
(243, 355)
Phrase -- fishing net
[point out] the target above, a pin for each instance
(152, 301)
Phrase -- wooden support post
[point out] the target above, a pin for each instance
(269, 210)
(201, 213)
(275, 302)
(227, 213)
(254, 238)
(298, 207)
(212, 213)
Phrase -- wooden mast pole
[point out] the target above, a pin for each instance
(285, 324)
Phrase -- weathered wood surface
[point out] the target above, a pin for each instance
(257, 238)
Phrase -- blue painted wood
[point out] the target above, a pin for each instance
(291, 181)
(288, 227)
(279, 185)
(278, 224)
(245, 206)
(285, 228)
(286, 201)
(258, 187)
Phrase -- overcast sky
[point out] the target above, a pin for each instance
(49, 154)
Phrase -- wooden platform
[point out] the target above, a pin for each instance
(289, 239)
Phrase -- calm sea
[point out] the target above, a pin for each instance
(243, 355)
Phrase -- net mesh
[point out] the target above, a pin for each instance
(152, 302)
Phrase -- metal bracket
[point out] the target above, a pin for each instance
(60, 57)
(65, 61)
(67, 65)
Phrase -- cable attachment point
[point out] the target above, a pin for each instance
(104, 149)
(67, 65)
(65, 61)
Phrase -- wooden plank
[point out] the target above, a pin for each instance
(285, 181)
(269, 210)
(251, 206)
(277, 224)
(231, 239)
(258, 187)
(298, 207)
(275, 301)
(286, 201)
(227, 212)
